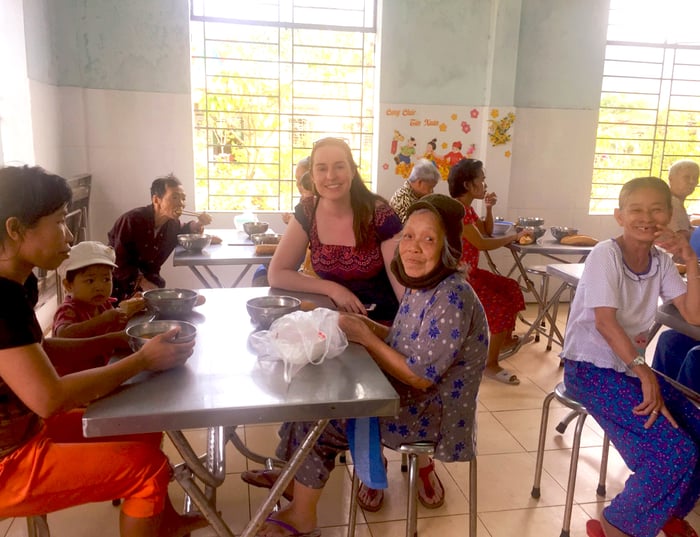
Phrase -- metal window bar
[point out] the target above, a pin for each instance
(261, 162)
(661, 134)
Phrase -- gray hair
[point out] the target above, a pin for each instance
(683, 165)
(424, 170)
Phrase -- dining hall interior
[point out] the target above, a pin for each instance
(102, 88)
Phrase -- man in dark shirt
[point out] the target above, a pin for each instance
(144, 237)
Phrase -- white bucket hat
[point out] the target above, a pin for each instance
(88, 253)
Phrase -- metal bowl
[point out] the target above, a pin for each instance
(537, 232)
(251, 228)
(169, 303)
(263, 310)
(266, 238)
(140, 333)
(530, 221)
(559, 232)
(194, 242)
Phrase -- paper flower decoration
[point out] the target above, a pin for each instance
(494, 112)
(474, 113)
(499, 130)
(453, 117)
(385, 166)
(507, 154)
(466, 129)
(443, 127)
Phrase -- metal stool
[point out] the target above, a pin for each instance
(37, 526)
(577, 411)
(412, 451)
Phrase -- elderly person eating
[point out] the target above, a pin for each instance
(433, 354)
(423, 179)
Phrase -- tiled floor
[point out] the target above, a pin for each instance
(508, 422)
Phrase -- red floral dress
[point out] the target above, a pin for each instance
(501, 297)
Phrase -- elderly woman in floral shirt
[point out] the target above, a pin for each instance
(433, 354)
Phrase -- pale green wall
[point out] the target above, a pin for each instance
(135, 45)
(527, 53)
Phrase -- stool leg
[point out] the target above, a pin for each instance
(404, 462)
(600, 491)
(342, 458)
(535, 493)
(352, 519)
(472, 497)
(412, 506)
(564, 423)
(573, 466)
(37, 526)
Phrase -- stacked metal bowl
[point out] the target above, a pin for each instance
(170, 303)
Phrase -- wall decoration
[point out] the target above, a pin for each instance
(442, 134)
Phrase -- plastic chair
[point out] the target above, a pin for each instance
(412, 451)
(578, 412)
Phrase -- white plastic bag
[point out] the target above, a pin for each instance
(300, 338)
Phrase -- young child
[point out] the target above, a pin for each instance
(46, 462)
(88, 307)
(653, 426)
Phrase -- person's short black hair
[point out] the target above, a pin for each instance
(462, 174)
(29, 193)
(160, 186)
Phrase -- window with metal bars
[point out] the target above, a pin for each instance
(650, 101)
(269, 78)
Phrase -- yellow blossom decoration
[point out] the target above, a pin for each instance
(494, 112)
(507, 154)
(443, 127)
(499, 130)
(453, 117)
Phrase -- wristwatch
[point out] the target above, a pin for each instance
(638, 360)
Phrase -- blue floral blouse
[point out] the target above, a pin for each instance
(444, 335)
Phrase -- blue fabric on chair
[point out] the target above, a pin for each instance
(366, 448)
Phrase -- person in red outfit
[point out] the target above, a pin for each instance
(501, 297)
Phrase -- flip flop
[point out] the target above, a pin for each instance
(677, 527)
(504, 376)
(266, 479)
(291, 531)
(376, 496)
(424, 475)
(594, 528)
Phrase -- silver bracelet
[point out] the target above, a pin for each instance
(638, 360)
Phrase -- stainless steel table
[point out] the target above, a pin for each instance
(223, 254)
(223, 385)
(550, 249)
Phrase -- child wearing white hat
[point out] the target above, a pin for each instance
(88, 308)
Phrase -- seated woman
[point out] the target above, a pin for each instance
(653, 426)
(45, 462)
(349, 231)
(501, 297)
(436, 345)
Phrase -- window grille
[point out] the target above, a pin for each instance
(269, 77)
(650, 100)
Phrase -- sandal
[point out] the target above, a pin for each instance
(266, 479)
(375, 496)
(291, 531)
(677, 527)
(428, 491)
(504, 376)
(594, 528)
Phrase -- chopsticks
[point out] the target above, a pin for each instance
(190, 213)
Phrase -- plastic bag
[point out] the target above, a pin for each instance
(300, 338)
